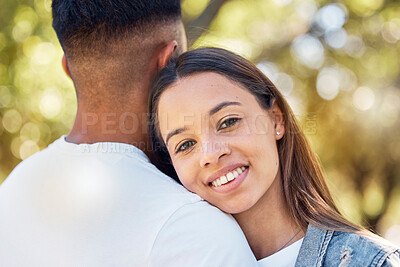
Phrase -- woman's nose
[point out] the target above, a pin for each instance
(212, 152)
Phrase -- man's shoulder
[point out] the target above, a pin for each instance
(198, 234)
(116, 165)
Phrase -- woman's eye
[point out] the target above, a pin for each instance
(185, 146)
(227, 123)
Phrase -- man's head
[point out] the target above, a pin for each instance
(113, 46)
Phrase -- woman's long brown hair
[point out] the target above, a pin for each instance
(305, 191)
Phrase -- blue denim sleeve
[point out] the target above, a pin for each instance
(393, 260)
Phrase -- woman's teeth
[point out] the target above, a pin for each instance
(228, 177)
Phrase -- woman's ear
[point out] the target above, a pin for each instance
(65, 66)
(279, 120)
(165, 54)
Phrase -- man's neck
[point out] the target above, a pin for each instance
(128, 127)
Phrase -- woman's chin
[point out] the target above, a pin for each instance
(234, 208)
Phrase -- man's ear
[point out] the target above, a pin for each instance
(165, 54)
(65, 66)
(279, 120)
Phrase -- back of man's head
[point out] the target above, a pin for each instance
(108, 43)
(85, 26)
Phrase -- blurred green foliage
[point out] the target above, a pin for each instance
(337, 63)
(37, 101)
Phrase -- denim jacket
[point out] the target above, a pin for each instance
(322, 247)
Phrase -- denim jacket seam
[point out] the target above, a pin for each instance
(326, 239)
(380, 258)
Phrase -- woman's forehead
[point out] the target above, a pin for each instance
(201, 91)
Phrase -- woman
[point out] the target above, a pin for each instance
(221, 127)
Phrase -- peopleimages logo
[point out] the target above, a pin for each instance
(112, 123)
(112, 147)
(138, 147)
(129, 123)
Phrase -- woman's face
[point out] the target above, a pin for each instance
(221, 142)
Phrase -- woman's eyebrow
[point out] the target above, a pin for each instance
(221, 106)
(174, 132)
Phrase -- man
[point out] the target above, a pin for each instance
(92, 198)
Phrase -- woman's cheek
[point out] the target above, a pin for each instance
(189, 172)
(186, 176)
(188, 183)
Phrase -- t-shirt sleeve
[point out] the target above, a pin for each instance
(201, 235)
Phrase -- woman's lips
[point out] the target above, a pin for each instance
(222, 186)
(230, 176)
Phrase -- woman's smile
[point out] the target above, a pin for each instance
(226, 177)
(230, 181)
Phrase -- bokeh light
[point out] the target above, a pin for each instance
(306, 9)
(27, 149)
(282, 81)
(193, 8)
(30, 131)
(332, 16)
(328, 83)
(282, 2)
(5, 96)
(21, 31)
(364, 8)
(363, 98)
(354, 46)
(336, 38)
(51, 103)
(309, 51)
(12, 121)
(389, 113)
(43, 54)
(15, 147)
(373, 200)
(391, 31)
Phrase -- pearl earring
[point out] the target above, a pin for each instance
(278, 133)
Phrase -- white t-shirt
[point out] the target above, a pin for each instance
(283, 258)
(105, 204)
